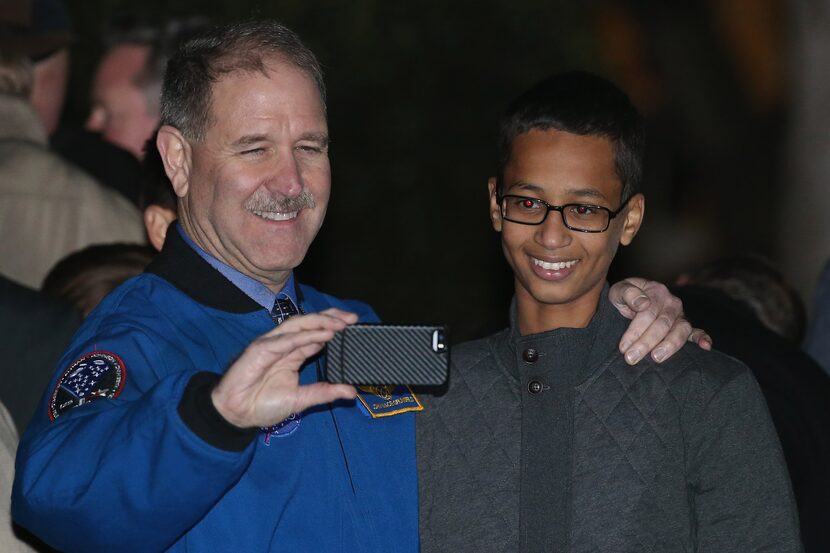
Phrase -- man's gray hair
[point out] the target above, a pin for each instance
(188, 82)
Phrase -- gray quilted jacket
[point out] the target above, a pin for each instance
(551, 442)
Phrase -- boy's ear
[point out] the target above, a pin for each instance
(495, 211)
(157, 219)
(633, 218)
(176, 154)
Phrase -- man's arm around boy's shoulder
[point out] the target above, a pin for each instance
(742, 497)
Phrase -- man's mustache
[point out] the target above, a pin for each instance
(262, 201)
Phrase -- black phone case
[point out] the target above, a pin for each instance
(388, 354)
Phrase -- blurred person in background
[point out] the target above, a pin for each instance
(35, 329)
(83, 278)
(46, 42)
(126, 89)
(48, 208)
(754, 315)
(124, 102)
(42, 30)
(105, 162)
(817, 340)
(9, 543)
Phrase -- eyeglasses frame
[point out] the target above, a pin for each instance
(560, 208)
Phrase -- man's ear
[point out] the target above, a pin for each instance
(157, 219)
(176, 154)
(495, 210)
(633, 218)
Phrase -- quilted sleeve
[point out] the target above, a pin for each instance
(736, 471)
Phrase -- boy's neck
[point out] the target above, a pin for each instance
(534, 317)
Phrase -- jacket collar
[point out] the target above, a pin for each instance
(585, 347)
(185, 269)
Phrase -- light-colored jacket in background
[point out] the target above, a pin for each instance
(8, 446)
(48, 207)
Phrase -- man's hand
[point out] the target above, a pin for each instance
(658, 325)
(262, 386)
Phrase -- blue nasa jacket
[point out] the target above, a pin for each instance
(135, 458)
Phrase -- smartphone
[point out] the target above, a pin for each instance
(378, 354)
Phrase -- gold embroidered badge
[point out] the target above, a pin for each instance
(384, 391)
(394, 400)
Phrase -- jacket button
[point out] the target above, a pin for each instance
(530, 355)
(534, 387)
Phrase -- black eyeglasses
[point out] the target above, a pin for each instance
(579, 217)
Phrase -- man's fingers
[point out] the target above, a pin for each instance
(635, 330)
(661, 302)
(653, 337)
(270, 349)
(263, 383)
(699, 337)
(674, 340)
(332, 319)
(319, 393)
(654, 316)
(285, 343)
(268, 355)
(628, 297)
(658, 328)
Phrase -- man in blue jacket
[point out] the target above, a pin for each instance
(203, 426)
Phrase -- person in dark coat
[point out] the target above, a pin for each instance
(36, 329)
(754, 316)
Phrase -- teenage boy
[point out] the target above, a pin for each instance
(546, 439)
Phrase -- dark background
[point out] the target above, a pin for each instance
(416, 88)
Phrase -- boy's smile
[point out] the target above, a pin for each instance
(559, 273)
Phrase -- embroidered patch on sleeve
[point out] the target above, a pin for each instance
(96, 375)
(387, 401)
(283, 429)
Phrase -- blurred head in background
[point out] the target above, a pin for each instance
(39, 30)
(84, 277)
(756, 283)
(126, 89)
